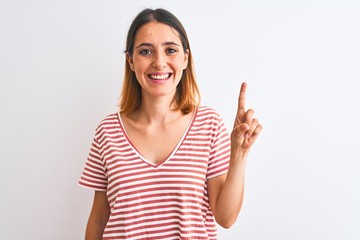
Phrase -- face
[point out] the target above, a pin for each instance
(158, 59)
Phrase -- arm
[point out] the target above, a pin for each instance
(98, 218)
(226, 192)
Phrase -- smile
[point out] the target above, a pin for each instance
(160, 76)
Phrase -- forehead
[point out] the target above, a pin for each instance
(154, 32)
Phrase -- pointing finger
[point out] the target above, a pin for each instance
(241, 101)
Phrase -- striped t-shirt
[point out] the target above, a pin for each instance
(158, 201)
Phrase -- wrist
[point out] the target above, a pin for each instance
(238, 155)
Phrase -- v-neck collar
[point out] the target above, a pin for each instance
(173, 152)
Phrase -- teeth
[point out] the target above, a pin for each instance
(160, 77)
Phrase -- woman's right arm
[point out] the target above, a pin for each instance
(99, 216)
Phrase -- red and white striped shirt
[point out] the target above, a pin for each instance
(158, 201)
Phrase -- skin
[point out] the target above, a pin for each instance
(155, 128)
(98, 218)
(226, 192)
(157, 50)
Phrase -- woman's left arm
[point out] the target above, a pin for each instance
(226, 191)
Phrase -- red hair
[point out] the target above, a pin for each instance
(187, 96)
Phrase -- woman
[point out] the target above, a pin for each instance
(165, 167)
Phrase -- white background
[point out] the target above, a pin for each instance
(61, 72)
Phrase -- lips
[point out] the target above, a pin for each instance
(163, 76)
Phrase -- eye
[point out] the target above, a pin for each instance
(145, 52)
(171, 51)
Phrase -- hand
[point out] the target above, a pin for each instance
(246, 127)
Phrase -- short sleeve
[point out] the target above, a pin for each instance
(94, 174)
(220, 152)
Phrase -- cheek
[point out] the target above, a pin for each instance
(184, 63)
(180, 64)
(140, 66)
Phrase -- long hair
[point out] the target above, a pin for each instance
(187, 96)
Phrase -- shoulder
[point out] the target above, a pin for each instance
(110, 122)
(210, 121)
(208, 116)
(208, 112)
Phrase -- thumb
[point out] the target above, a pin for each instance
(241, 129)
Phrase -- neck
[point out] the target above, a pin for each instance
(156, 111)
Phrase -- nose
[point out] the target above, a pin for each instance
(159, 61)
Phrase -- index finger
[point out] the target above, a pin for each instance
(242, 99)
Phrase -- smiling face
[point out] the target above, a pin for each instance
(158, 59)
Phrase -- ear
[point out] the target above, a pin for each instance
(130, 61)
(186, 58)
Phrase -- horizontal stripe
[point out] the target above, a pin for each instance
(158, 201)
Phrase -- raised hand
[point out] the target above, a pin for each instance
(246, 127)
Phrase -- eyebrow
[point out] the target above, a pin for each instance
(151, 45)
